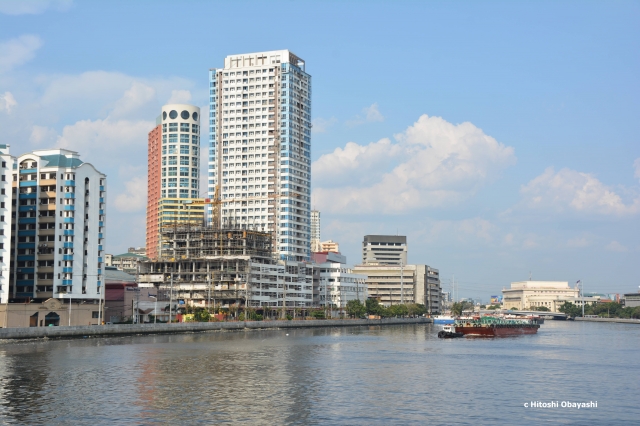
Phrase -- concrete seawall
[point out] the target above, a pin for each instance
(622, 320)
(191, 327)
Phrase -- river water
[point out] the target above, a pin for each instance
(355, 375)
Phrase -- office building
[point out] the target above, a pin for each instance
(59, 228)
(384, 250)
(173, 181)
(315, 231)
(6, 197)
(260, 148)
(395, 284)
(534, 294)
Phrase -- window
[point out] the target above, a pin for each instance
(184, 171)
(194, 139)
(173, 137)
(173, 182)
(184, 127)
(173, 171)
(184, 149)
(194, 128)
(173, 127)
(184, 182)
(184, 138)
(184, 160)
(172, 149)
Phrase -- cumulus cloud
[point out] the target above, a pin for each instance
(135, 196)
(137, 96)
(179, 97)
(18, 51)
(616, 246)
(7, 102)
(570, 190)
(321, 125)
(433, 162)
(43, 135)
(32, 7)
(370, 114)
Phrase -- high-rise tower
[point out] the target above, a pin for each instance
(173, 172)
(260, 148)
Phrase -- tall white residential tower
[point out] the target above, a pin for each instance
(260, 147)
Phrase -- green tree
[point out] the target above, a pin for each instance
(201, 315)
(373, 307)
(570, 309)
(458, 307)
(355, 308)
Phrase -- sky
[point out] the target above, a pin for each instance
(502, 138)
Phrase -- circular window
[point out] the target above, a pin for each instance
(184, 114)
(164, 115)
(195, 116)
(173, 114)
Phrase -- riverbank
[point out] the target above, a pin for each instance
(621, 320)
(189, 327)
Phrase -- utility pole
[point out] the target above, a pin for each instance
(401, 282)
(171, 296)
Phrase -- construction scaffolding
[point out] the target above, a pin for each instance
(197, 241)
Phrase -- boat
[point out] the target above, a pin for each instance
(449, 332)
(492, 326)
(443, 319)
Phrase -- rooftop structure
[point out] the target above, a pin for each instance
(384, 250)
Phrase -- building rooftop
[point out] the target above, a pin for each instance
(112, 274)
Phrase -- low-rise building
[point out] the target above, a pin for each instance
(631, 300)
(337, 283)
(329, 245)
(127, 262)
(534, 294)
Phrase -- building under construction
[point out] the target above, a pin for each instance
(228, 269)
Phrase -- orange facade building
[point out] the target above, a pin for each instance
(153, 190)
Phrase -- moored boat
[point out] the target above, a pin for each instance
(449, 332)
(489, 326)
(443, 319)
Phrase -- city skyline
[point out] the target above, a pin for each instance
(500, 139)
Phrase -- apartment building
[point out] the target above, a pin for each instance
(260, 148)
(338, 284)
(6, 196)
(59, 228)
(173, 180)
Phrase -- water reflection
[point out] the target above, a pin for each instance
(400, 374)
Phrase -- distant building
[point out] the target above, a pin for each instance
(330, 246)
(125, 301)
(384, 250)
(631, 300)
(127, 262)
(395, 284)
(315, 231)
(337, 283)
(142, 251)
(533, 294)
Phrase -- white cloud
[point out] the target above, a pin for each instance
(570, 190)
(43, 135)
(179, 97)
(7, 102)
(616, 246)
(321, 125)
(370, 114)
(433, 162)
(32, 7)
(135, 196)
(107, 141)
(18, 51)
(137, 96)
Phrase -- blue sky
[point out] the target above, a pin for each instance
(500, 137)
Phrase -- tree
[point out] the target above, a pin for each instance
(373, 307)
(201, 315)
(542, 309)
(570, 309)
(355, 308)
(458, 307)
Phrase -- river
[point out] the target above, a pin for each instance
(353, 375)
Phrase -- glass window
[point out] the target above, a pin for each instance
(184, 182)
(184, 160)
(173, 127)
(184, 138)
(173, 137)
(172, 149)
(194, 128)
(184, 171)
(173, 160)
(184, 149)
(194, 139)
(194, 183)
(173, 171)
(172, 193)
(173, 182)
(173, 114)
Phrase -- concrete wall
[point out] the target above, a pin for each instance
(124, 329)
(623, 320)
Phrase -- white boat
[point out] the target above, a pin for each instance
(443, 319)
